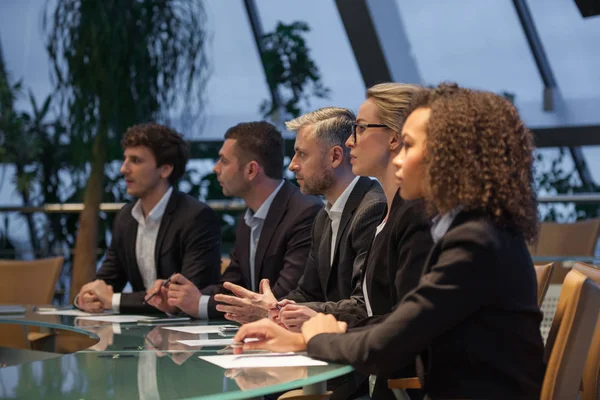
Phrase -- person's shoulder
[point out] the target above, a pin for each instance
(189, 204)
(409, 212)
(478, 229)
(374, 194)
(302, 201)
(124, 214)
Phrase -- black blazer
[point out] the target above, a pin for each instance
(473, 317)
(282, 249)
(326, 281)
(188, 242)
(394, 265)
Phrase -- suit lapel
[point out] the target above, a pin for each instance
(130, 241)
(274, 217)
(243, 249)
(163, 229)
(324, 252)
(352, 204)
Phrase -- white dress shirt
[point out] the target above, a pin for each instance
(256, 222)
(145, 242)
(335, 212)
(441, 223)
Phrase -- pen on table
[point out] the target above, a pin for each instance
(165, 283)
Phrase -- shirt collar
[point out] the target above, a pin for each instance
(441, 223)
(263, 210)
(156, 213)
(338, 206)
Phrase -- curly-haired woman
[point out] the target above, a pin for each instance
(474, 317)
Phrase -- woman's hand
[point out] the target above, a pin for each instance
(269, 336)
(322, 323)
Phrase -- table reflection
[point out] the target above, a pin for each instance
(252, 378)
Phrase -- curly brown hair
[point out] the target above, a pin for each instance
(168, 146)
(479, 155)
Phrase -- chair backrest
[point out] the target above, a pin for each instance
(574, 239)
(591, 371)
(570, 336)
(543, 274)
(29, 282)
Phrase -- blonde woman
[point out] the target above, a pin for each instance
(473, 317)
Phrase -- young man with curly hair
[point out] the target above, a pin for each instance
(162, 233)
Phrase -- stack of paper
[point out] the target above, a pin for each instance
(263, 360)
(118, 318)
(199, 328)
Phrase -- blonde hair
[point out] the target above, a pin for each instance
(393, 100)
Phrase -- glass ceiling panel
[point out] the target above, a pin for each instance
(476, 43)
(328, 44)
(237, 84)
(572, 46)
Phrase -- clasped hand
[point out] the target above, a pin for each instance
(95, 297)
(179, 294)
(273, 337)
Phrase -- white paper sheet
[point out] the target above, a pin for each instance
(72, 313)
(207, 342)
(118, 318)
(262, 360)
(211, 342)
(197, 328)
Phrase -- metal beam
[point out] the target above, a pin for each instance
(535, 43)
(571, 136)
(550, 85)
(379, 42)
(258, 32)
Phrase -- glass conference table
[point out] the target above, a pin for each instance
(81, 359)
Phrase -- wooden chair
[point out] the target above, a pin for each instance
(560, 240)
(298, 394)
(543, 274)
(570, 336)
(573, 239)
(591, 371)
(29, 282)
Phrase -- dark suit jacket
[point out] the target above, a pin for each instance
(394, 265)
(282, 249)
(473, 317)
(326, 281)
(188, 242)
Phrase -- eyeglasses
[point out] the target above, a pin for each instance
(361, 128)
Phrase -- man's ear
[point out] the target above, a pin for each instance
(336, 156)
(252, 169)
(166, 170)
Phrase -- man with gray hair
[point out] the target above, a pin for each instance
(341, 232)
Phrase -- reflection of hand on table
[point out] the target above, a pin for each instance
(163, 340)
(106, 335)
(252, 378)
